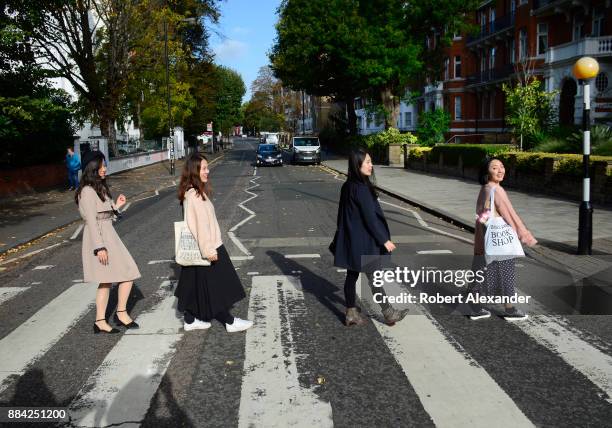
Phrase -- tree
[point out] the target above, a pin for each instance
(530, 110)
(432, 127)
(342, 48)
(228, 99)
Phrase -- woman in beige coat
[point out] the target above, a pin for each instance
(105, 258)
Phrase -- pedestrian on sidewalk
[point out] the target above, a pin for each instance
(206, 292)
(362, 230)
(73, 165)
(105, 258)
(500, 272)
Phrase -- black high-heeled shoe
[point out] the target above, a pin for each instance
(132, 324)
(97, 329)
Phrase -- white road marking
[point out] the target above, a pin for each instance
(453, 388)
(271, 394)
(252, 273)
(125, 208)
(119, 392)
(296, 271)
(156, 192)
(174, 182)
(7, 293)
(77, 232)
(41, 331)
(302, 256)
(31, 253)
(557, 335)
(435, 252)
(77, 280)
(158, 262)
(341, 270)
(252, 214)
(241, 258)
(36, 283)
(44, 267)
(146, 197)
(422, 222)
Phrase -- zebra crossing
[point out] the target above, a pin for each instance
(452, 387)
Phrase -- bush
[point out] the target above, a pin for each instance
(556, 145)
(601, 140)
(418, 153)
(471, 154)
(377, 144)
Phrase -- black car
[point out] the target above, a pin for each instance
(269, 154)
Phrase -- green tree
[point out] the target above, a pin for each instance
(530, 110)
(432, 127)
(228, 99)
(342, 48)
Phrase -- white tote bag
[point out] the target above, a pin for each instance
(500, 241)
(186, 249)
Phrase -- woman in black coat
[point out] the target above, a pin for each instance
(362, 231)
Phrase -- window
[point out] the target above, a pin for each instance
(408, 119)
(483, 62)
(512, 7)
(491, 17)
(483, 22)
(492, 106)
(522, 2)
(511, 52)
(578, 32)
(457, 108)
(491, 58)
(523, 44)
(457, 67)
(597, 28)
(484, 106)
(542, 38)
(446, 68)
(601, 82)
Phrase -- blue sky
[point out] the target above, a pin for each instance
(245, 35)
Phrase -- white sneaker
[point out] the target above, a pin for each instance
(197, 325)
(238, 325)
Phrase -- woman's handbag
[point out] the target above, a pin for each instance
(500, 241)
(186, 249)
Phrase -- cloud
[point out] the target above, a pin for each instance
(230, 49)
(241, 30)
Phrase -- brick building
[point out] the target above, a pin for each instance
(545, 37)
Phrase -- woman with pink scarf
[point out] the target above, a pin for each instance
(500, 274)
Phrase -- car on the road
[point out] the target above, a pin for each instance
(306, 150)
(269, 154)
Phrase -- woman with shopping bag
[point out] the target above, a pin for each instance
(498, 238)
(208, 287)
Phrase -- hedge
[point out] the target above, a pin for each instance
(527, 162)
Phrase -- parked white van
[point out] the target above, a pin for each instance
(306, 150)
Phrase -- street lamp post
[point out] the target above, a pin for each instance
(586, 68)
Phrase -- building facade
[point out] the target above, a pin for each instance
(543, 38)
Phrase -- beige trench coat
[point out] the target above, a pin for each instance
(100, 233)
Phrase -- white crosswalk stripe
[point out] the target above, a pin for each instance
(7, 293)
(452, 387)
(39, 333)
(120, 390)
(271, 394)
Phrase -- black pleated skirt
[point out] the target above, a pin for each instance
(206, 291)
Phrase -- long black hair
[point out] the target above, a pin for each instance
(355, 160)
(483, 175)
(91, 178)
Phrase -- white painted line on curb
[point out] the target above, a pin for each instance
(252, 273)
(452, 387)
(41, 331)
(158, 262)
(133, 368)
(7, 293)
(32, 253)
(435, 252)
(302, 256)
(271, 394)
(146, 197)
(77, 232)
(44, 267)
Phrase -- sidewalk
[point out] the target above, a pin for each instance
(27, 217)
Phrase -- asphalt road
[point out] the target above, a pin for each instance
(299, 365)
